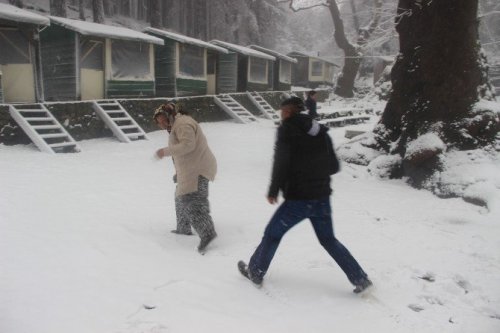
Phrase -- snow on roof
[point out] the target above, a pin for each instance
(12, 13)
(184, 39)
(103, 30)
(301, 54)
(243, 50)
(273, 53)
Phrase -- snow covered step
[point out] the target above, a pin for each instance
(45, 127)
(343, 121)
(127, 127)
(107, 111)
(264, 107)
(31, 110)
(113, 111)
(53, 135)
(343, 112)
(136, 136)
(121, 118)
(62, 144)
(20, 113)
(38, 119)
(234, 109)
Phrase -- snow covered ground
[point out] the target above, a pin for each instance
(85, 246)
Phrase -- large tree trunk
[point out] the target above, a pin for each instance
(155, 9)
(200, 19)
(58, 8)
(168, 18)
(108, 7)
(352, 54)
(98, 11)
(438, 76)
(81, 10)
(345, 81)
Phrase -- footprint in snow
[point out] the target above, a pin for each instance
(462, 283)
(416, 307)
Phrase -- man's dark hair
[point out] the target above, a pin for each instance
(295, 101)
(311, 93)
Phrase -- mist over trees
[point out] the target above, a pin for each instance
(264, 22)
(368, 25)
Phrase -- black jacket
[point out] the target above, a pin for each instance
(304, 159)
(311, 105)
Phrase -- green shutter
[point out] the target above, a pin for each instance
(188, 87)
(227, 73)
(59, 63)
(165, 68)
(130, 89)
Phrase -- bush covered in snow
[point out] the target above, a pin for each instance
(385, 166)
(359, 150)
(424, 147)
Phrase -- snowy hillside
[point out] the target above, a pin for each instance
(85, 246)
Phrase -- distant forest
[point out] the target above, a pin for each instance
(269, 23)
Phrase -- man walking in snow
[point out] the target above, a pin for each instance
(311, 104)
(304, 160)
(195, 165)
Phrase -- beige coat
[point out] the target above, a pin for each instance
(192, 156)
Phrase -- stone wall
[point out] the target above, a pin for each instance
(82, 123)
(10, 132)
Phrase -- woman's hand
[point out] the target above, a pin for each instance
(160, 153)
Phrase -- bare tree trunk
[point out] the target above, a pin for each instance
(155, 8)
(98, 11)
(208, 35)
(345, 82)
(353, 56)
(354, 15)
(200, 19)
(188, 14)
(58, 8)
(81, 10)
(17, 3)
(168, 6)
(108, 7)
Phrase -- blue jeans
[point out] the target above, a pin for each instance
(290, 213)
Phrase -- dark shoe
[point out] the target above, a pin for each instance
(243, 268)
(204, 243)
(362, 286)
(175, 231)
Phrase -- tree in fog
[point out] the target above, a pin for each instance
(156, 11)
(352, 51)
(98, 11)
(58, 8)
(17, 3)
(489, 14)
(81, 10)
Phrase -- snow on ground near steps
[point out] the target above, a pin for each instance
(85, 246)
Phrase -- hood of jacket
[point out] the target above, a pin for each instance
(305, 124)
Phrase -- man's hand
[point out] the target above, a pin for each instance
(272, 200)
(160, 153)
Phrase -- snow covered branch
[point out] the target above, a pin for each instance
(495, 12)
(297, 9)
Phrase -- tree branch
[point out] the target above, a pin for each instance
(290, 5)
(365, 32)
(489, 13)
